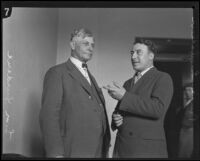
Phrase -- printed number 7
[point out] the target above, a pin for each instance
(7, 10)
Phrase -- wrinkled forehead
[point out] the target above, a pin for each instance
(89, 39)
(189, 88)
(139, 46)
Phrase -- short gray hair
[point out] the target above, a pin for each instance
(83, 32)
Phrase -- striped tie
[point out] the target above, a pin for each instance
(138, 75)
(84, 66)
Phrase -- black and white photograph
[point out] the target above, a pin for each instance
(100, 80)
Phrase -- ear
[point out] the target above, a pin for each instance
(151, 55)
(72, 44)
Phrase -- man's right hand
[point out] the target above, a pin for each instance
(117, 119)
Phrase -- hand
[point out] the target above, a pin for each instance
(115, 91)
(118, 119)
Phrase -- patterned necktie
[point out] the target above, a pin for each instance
(84, 66)
(138, 75)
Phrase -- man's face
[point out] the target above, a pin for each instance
(83, 48)
(189, 92)
(141, 57)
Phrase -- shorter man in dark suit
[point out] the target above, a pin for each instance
(143, 102)
(187, 119)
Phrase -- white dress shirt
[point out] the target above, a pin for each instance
(146, 70)
(83, 71)
(188, 102)
(140, 74)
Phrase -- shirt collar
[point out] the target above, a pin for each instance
(146, 70)
(187, 103)
(76, 62)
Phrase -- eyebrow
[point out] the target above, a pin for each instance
(136, 50)
(87, 42)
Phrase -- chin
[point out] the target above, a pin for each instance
(138, 69)
(87, 59)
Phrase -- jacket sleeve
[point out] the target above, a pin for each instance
(50, 114)
(153, 106)
(113, 126)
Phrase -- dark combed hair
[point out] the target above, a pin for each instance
(188, 84)
(149, 43)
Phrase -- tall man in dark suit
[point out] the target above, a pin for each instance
(73, 116)
(143, 102)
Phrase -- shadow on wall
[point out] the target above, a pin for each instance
(34, 143)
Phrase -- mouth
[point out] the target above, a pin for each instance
(90, 52)
(134, 62)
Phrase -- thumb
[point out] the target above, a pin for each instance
(116, 84)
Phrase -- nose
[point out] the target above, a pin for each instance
(91, 47)
(133, 55)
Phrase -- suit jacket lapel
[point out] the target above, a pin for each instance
(143, 79)
(97, 88)
(76, 74)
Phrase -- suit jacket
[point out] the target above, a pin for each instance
(143, 108)
(186, 131)
(70, 117)
(188, 116)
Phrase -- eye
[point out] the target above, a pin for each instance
(86, 43)
(131, 52)
(139, 52)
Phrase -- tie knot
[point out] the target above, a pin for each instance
(84, 65)
(138, 74)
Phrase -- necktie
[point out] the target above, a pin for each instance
(138, 75)
(84, 66)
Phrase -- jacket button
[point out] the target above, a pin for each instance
(90, 97)
(100, 104)
(130, 133)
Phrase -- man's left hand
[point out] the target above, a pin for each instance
(115, 91)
